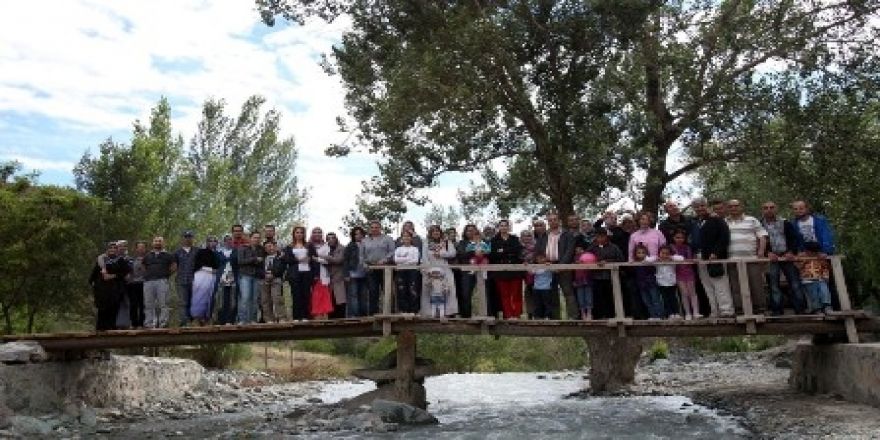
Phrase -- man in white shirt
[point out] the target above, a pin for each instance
(748, 239)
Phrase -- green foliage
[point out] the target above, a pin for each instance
(378, 350)
(555, 102)
(443, 216)
(659, 350)
(317, 346)
(823, 149)
(45, 242)
(736, 344)
(236, 170)
(216, 355)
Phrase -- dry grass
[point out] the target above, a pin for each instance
(295, 365)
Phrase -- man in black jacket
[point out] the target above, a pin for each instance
(782, 242)
(558, 246)
(714, 238)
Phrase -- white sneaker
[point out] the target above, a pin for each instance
(698, 316)
(653, 319)
(675, 316)
(688, 317)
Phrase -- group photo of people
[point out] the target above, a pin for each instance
(248, 277)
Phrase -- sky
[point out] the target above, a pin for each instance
(76, 72)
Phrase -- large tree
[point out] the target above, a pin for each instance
(236, 170)
(46, 242)
(555, 101)
(822, 148)
(243, 169)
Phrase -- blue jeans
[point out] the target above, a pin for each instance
(185, 291)
(818, 293)
(247, 300)
(356, 300)
(651, 298)
(584, 296)
(376, 284)
(774, 270)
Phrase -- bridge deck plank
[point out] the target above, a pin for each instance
(371, 327)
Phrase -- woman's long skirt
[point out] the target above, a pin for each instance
(202, 294)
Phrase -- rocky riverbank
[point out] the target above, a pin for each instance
(228, 404)
(754, 387)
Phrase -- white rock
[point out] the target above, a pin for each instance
(20, 352)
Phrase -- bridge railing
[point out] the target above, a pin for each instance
(620, 319)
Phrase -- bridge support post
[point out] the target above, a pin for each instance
(852, 334)
(406, 388)
(612, 362)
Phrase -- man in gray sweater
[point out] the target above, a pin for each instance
(378, 249)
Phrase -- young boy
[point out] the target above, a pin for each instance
(542, 289)
(815, 274)
(271, 291)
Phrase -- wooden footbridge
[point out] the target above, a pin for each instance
(845, 322)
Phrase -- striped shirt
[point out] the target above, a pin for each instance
(744, 235)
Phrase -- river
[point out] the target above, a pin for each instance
(529, 406)
(484, 407)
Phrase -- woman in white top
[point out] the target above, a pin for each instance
(407, 292)
(299, 274)
(436, 250)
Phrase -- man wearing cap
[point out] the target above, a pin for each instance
(158, 267)
(185, 258)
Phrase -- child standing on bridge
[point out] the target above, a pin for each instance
(582, 286)
(666, 280)
(646, 281)
(542, 289)
(684, 276)
(815, 274)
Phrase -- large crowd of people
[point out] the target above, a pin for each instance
(240, 279)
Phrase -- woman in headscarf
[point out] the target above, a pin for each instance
(204, 280)
(336, 267)
(438, 284)
(321, 304)
(108, 283)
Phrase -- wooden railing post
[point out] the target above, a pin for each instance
(386, 299)
(746, 294)
(852, 335)
(617, 293)
(482, 305)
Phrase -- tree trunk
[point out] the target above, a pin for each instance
(652, 197)
(612, 362)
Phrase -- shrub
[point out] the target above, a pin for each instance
(659, 350)
(316, 346)
(220, 355)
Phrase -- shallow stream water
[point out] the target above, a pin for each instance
(489, 406)
(530, 406)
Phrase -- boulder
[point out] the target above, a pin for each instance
(29, 426)
(401, 413)
(22, 352)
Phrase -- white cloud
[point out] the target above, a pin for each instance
(95, 66)
(42, 164)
